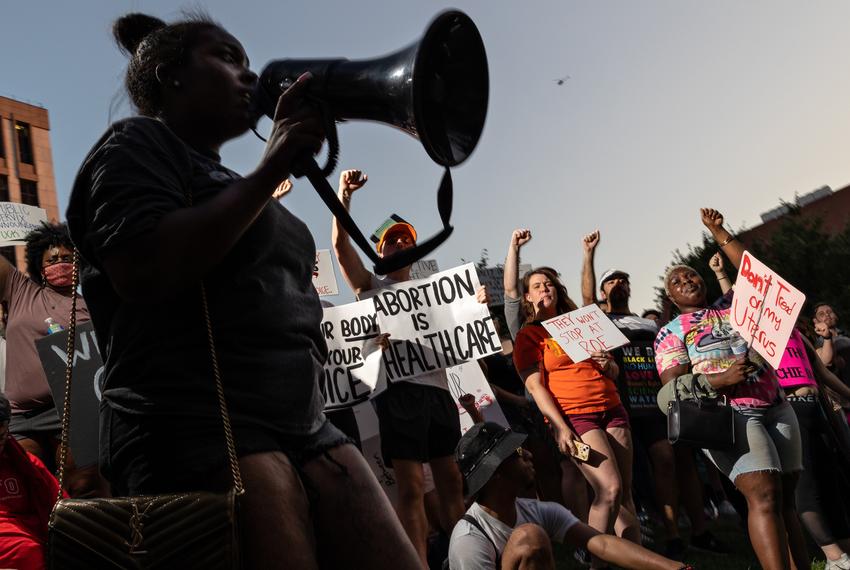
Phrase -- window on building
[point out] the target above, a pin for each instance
(24, 142)
(29, 193)
(2, 148)
(4, 188)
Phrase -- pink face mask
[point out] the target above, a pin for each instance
(60, 274)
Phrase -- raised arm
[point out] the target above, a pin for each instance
(355, 273)
(716, 265)
(822, 373)
(188, 242)
(729, 244)
(825, 353)
(519, 238)
(588, 272)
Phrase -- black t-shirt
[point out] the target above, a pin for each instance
(264, 309)
(638, 382)
(501, 372)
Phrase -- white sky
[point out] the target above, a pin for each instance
(670, 105)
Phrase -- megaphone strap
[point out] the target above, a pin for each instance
(382, 265)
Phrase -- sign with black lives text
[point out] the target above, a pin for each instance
(353, 371)
(765, 308)
(324, 278)
(468, 378)
(423, 268)
(434, 323)
(86, 387)
(583, 331)
(17, 220)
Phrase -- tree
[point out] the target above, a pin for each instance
(799, 250)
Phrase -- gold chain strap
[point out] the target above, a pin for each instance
(69, 368)
(232, 458)
(222, 402)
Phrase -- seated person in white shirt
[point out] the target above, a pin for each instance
(501, 531)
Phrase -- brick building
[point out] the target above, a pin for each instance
(831, 207)
(26, 163)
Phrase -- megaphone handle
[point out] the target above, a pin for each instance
(308, 167)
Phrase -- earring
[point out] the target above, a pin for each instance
(176, 84)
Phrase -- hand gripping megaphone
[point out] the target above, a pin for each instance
(435, 89)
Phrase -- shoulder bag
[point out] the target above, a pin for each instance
(178, 530)
(705, 422)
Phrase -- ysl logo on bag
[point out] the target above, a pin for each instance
(136, 527)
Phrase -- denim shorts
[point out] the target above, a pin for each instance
(766, 439)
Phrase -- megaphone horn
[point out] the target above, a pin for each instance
(436, 89)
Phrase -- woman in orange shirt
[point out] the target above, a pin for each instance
(581, 404)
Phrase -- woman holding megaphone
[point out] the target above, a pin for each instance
(154, 214)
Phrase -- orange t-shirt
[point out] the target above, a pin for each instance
(578, 387)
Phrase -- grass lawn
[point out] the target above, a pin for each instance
(740, 557)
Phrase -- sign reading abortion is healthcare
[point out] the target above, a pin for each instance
(434, 323)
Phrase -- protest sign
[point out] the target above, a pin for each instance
(353, 369)
(423, 268)
(324, 278)
(85, 387)
(494, 279)
(583, 331)
(434, 323)
(17, 220)
(468, 378)
(764, 308)
(370, 442)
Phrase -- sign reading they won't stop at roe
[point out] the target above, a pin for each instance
(434, 323)
(583, 331)
(765, 308)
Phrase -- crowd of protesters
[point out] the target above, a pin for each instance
(584, 461)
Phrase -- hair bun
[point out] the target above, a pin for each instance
(129, 30)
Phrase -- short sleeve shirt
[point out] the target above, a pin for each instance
(264, 309)
(701, 341)
(638, 381)
(469, 549)
(29, 305)
(577, 387)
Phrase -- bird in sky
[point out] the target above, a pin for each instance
(561, 80)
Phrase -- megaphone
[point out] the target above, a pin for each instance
(435, 89)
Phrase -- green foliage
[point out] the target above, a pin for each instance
(810, 259)
(800, 250)
(483, 262)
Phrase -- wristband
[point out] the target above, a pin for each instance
(827, 337)
(724, 277)
(728, 240)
